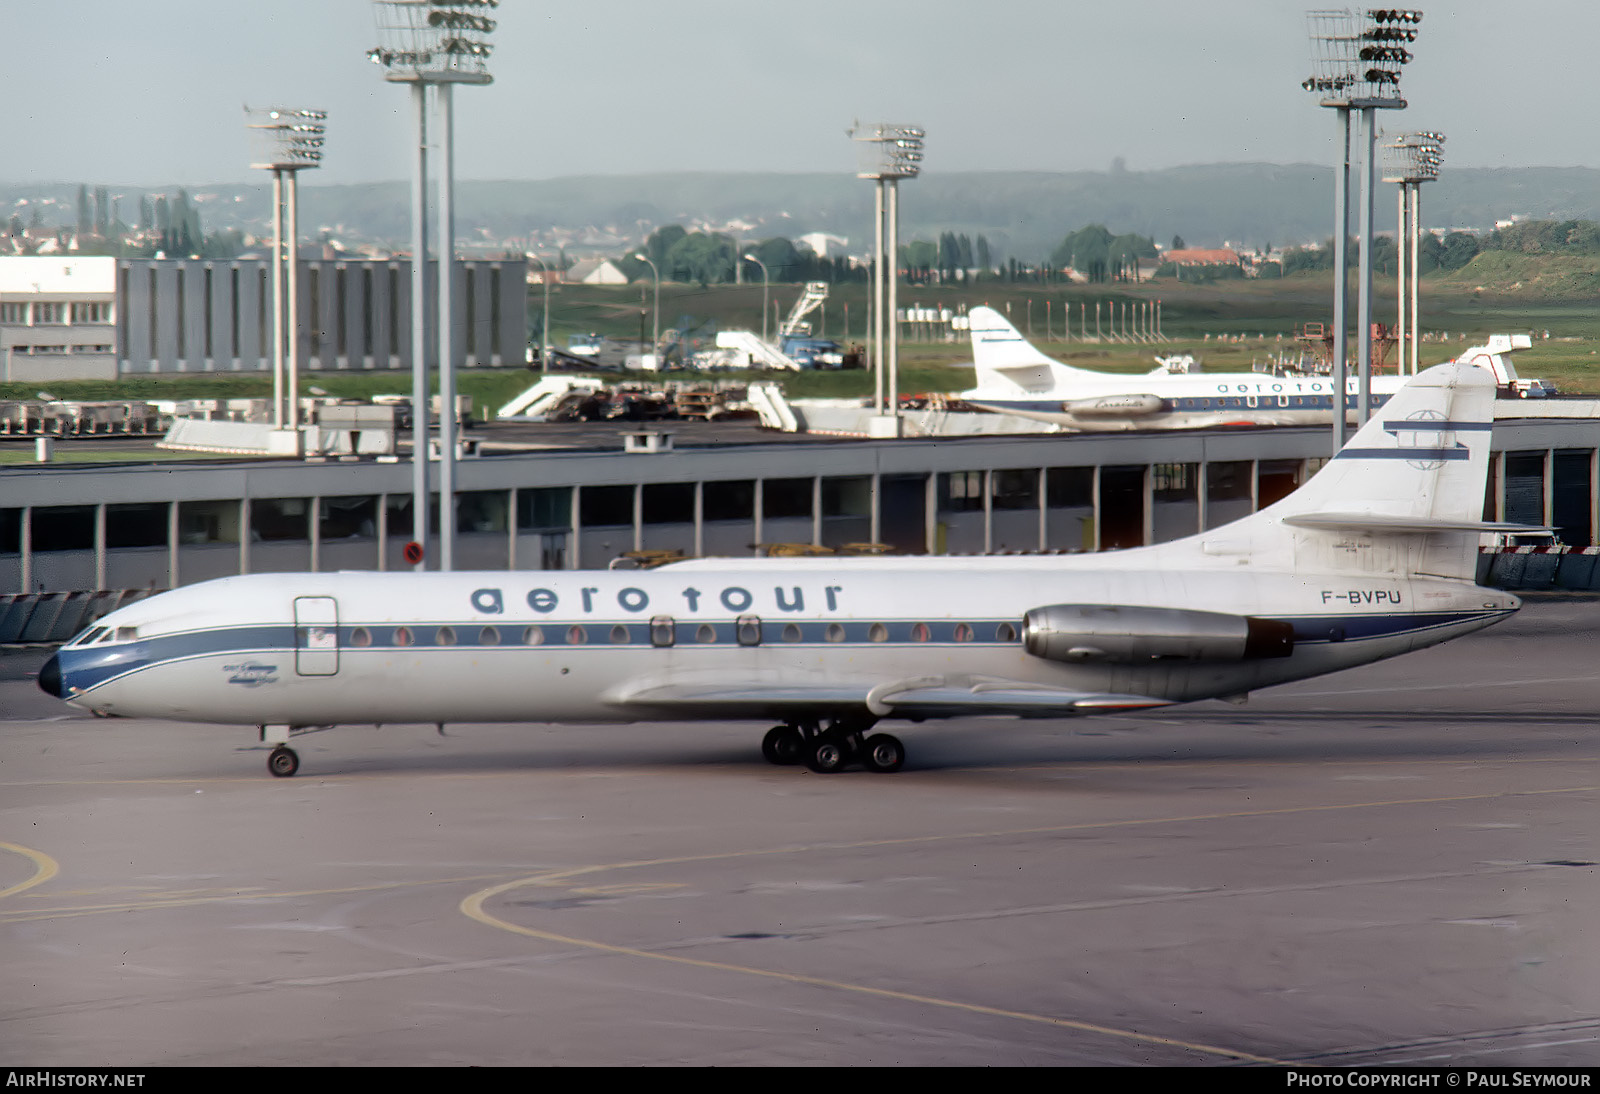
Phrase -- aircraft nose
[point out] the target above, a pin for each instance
(50, 676)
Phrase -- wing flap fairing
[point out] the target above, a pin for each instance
(923, 697)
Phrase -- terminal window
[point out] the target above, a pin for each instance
(668, 503)
(544, 507)
(63, 528)
(277, 519)
(1016, 489)
(785, 498)
(729, 500)
(142, 525)
(1069, 487)
(603, 506)
(202, 522)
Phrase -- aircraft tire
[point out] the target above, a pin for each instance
(283, 762)
(782, 745)
(825, 756)
(883, 754)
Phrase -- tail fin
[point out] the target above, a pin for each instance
(1007, 361)
(1405, 495)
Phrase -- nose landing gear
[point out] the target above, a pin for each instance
(283, 762)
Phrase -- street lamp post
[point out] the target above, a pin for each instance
(655, 319)
(1356, 63)
(764, 286)
(287, 142)
(438, 44)
(887, 154)
(544, 320)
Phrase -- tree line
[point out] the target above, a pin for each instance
(1455, 250)
(165, 226)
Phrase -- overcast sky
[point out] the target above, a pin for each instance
(150, 93)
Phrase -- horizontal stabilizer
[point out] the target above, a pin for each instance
(1388, 524)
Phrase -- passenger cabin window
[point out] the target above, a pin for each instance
(663, 632)
(489, 636)
(705, 633)
(748, 627)
(533, 636)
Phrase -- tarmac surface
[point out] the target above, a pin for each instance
(1393, 865)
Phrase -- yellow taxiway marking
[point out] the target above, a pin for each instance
(473, 908)
(228, 897)
(44, 868)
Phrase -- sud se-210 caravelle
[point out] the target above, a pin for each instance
(1373, 557)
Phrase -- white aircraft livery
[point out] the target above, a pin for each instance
(1015, 378)
(1374, 556)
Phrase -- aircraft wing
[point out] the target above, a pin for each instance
(921, 697)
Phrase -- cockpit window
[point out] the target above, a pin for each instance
(127, 634)
(90, 636)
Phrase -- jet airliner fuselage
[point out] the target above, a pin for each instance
(1373, 557)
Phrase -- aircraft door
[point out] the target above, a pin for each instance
(316, 635)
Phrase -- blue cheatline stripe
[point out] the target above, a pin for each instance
(85, 668)
(686, 632)
(1404, 454)
(1435, 425)
(1353, 628)
(1266, 401)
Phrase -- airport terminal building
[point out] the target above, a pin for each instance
(96, 527)
(95, 318)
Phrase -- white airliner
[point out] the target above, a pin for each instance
(1374, 556)
(1015, 378)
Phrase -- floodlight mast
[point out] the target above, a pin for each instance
(887, 154)
(1413, 158)
(1356, 62)
(286, 142)
(437, 43)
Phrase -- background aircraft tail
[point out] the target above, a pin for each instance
(1004, 359)
(1404, 496)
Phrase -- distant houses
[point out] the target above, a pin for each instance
(1196, 256)
(590, 271)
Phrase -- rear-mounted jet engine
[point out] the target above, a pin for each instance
(1134, 635)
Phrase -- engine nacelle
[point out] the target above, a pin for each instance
(1134, 635)
(1115, 406)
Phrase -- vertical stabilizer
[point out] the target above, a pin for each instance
(1404, 496)
(1006, 362)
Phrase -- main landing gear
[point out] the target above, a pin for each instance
(830, 749)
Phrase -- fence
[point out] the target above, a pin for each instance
(51, 618)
